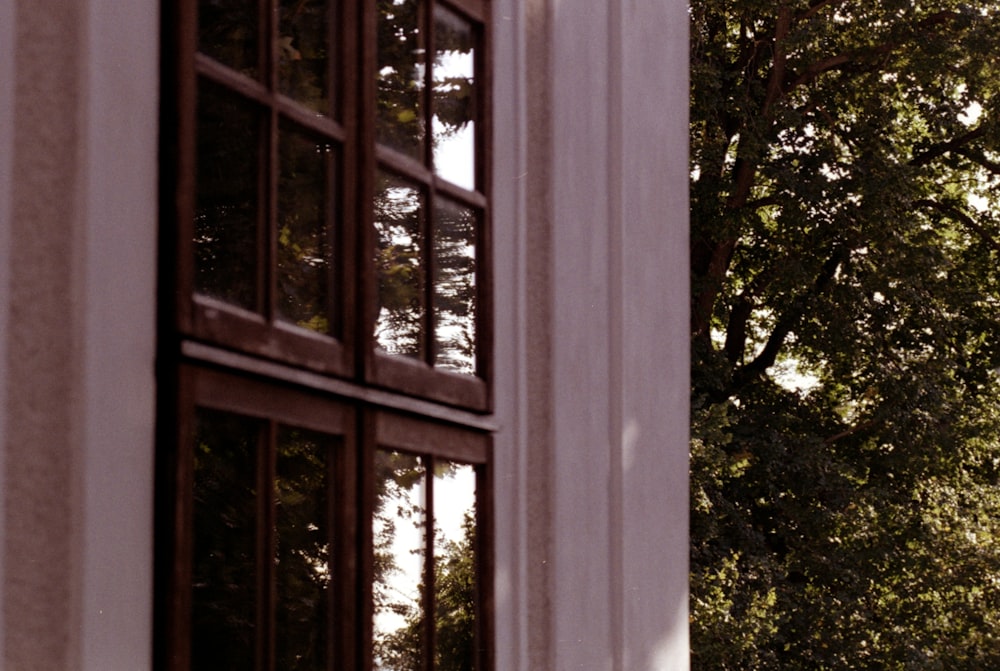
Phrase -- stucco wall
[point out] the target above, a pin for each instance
(591, 222)
(79, 305)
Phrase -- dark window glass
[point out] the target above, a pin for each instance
(304, 52)
(304, 245)
(224, 576)
(302, 555)
(226, 210)
(228, 31)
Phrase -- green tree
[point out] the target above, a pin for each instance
(454, 612)
(845, 306)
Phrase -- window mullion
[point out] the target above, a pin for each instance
(426, 20)
(364, 146)
(265, 546)
(430, 628)
(427, 25)
(271, 161)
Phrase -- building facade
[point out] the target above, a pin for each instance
(589, 330)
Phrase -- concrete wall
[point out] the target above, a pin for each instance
(591, 227)
(78, 301)
(590, 222)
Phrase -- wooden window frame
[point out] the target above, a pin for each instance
(351, 353)
(218, 356)
(409, 375)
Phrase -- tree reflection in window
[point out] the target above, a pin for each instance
(302, 561)
(304, 52)
(454, 98)
(304, 262)
(402, 575)
(227, 203)
(427, 242)
(454, 299)
(399, 109)
(400, 266)
(228, 32)
(224, 576)
(231, 456)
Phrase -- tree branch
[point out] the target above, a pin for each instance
(767, 357)
(942, 148)
(814, 70)
(716, 259)
(736, 330)
(962, 218)
(993, 167)
(857, 428)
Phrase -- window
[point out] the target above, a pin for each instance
(324, 361)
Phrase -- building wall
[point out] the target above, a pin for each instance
(593, 567)
(79, 304)
(590, 219)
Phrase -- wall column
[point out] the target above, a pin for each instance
(78, 308)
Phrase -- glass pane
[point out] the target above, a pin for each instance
(454, 567)
(398, 532)
(401, 72)
(454, 286)
(455, 98)
(225, 223)
(223, 613)
(302, 550)
(304, 52)
(398, 213)
(227, 31)
(304, 254)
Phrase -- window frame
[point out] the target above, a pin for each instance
(351, 352)
(410, 375)
(218, 356)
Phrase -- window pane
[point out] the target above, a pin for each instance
(304, 249)
(454, 286)
(400, 266)
(302, 550)
(455, 563)
(398, 532)
(455, 98)
(224, 604)
(227, 31)
(225, 225)
(401, 72)
(304, 53)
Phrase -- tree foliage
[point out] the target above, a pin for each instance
(845, 337)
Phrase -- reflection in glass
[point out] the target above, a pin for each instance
(303, 278)
(454, 567)
(398, 529)
(454, 298)
(304, 52)
(223, 610)
(399, 328)
(302, 550)
(401, 71)
(227, 31)
(454, 96)
(225, 223)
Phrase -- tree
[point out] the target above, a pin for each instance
(844, 320)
